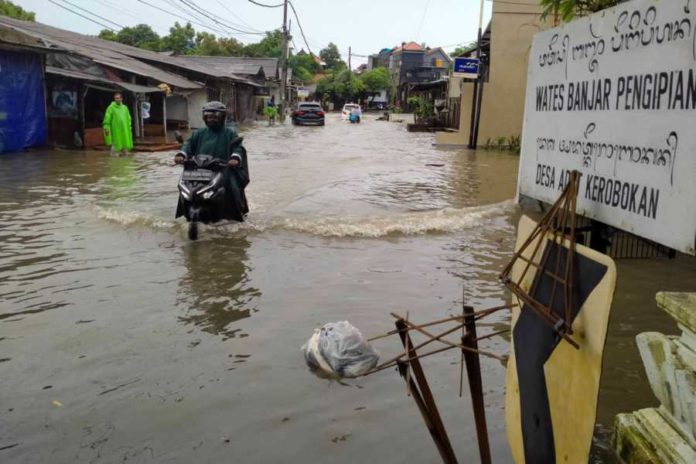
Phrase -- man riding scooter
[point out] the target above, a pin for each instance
(355, 114)
(224, 144)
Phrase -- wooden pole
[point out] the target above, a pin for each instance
(164, 115)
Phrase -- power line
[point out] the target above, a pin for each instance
(425, 13)
(266, 6)
(120, 10)
(300, 26)
(237, 16)
(81, 15)
(210, 28)
(206, 13)
(201, 20)
(93, 14)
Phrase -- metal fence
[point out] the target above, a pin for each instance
(619, 244)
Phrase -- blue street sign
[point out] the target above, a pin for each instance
(466, 67)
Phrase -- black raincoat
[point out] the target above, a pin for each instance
(223, 144)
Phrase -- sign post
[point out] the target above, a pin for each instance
(613, 95)
(468, 68)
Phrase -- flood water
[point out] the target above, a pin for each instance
(121, 341)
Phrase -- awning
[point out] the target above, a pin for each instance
(429, 85)
(138, 88)
(101, 80)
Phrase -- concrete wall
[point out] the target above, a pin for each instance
(512, 29)
(196, 100)
(177, 108)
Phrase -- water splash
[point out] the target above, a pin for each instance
(135, 218)
(446, 220)
(441, 221)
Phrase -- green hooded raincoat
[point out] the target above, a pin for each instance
(118, 122)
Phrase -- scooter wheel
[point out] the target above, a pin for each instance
(193, 231)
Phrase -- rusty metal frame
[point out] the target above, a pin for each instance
(558, 226)
(420, 390)
(409, 366)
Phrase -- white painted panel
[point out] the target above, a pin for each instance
(613, 95)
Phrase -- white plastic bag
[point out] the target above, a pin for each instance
(340, 350)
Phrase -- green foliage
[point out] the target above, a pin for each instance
(332, 57)
(511, 143)
(141, 36)
(514, 143)
(108, 34)
(180, 39)
(376, 79)
(11, 10)
(461, 50)
(566, 10)
(303, 67)
(269, 46)
(209, 45)
(184, 40)
(341, 85)
(422, 108)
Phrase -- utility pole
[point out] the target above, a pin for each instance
(476, 98)
(350, 54)
(284, 63)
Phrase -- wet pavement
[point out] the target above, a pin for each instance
(121, 341)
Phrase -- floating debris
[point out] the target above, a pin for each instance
(339, 350)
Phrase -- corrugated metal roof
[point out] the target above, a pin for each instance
(92, 78)
(238, 65)
(13, 39)
(100, 51)
(138, 88)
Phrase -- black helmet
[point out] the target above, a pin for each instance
(215, 107)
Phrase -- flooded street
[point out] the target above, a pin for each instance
(121, 341)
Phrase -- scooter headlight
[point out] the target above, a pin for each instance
(185, 192)
(209, 190)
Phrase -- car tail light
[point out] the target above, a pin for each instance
(320, 113)
(300, 113)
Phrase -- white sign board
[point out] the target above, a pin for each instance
(613, 95)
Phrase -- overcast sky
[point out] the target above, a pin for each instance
(365, 25)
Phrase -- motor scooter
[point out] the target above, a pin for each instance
(204, 195)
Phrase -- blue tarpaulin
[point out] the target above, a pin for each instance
(22, 101)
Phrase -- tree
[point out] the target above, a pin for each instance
(108, 34)
(180, 39)
(304, 67)
(209, 45)
(376, 79)
(141, 36)
(459, 51)
(566, 10)
(341, 86)
(269, 46)
(9, 9)
(331, 56)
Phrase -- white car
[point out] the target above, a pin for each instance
(347, 108)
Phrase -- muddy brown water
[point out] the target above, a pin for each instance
(121, 341)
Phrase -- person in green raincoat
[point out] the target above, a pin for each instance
(118, 133)
(223, 143)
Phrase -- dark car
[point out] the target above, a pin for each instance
(308, 113)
